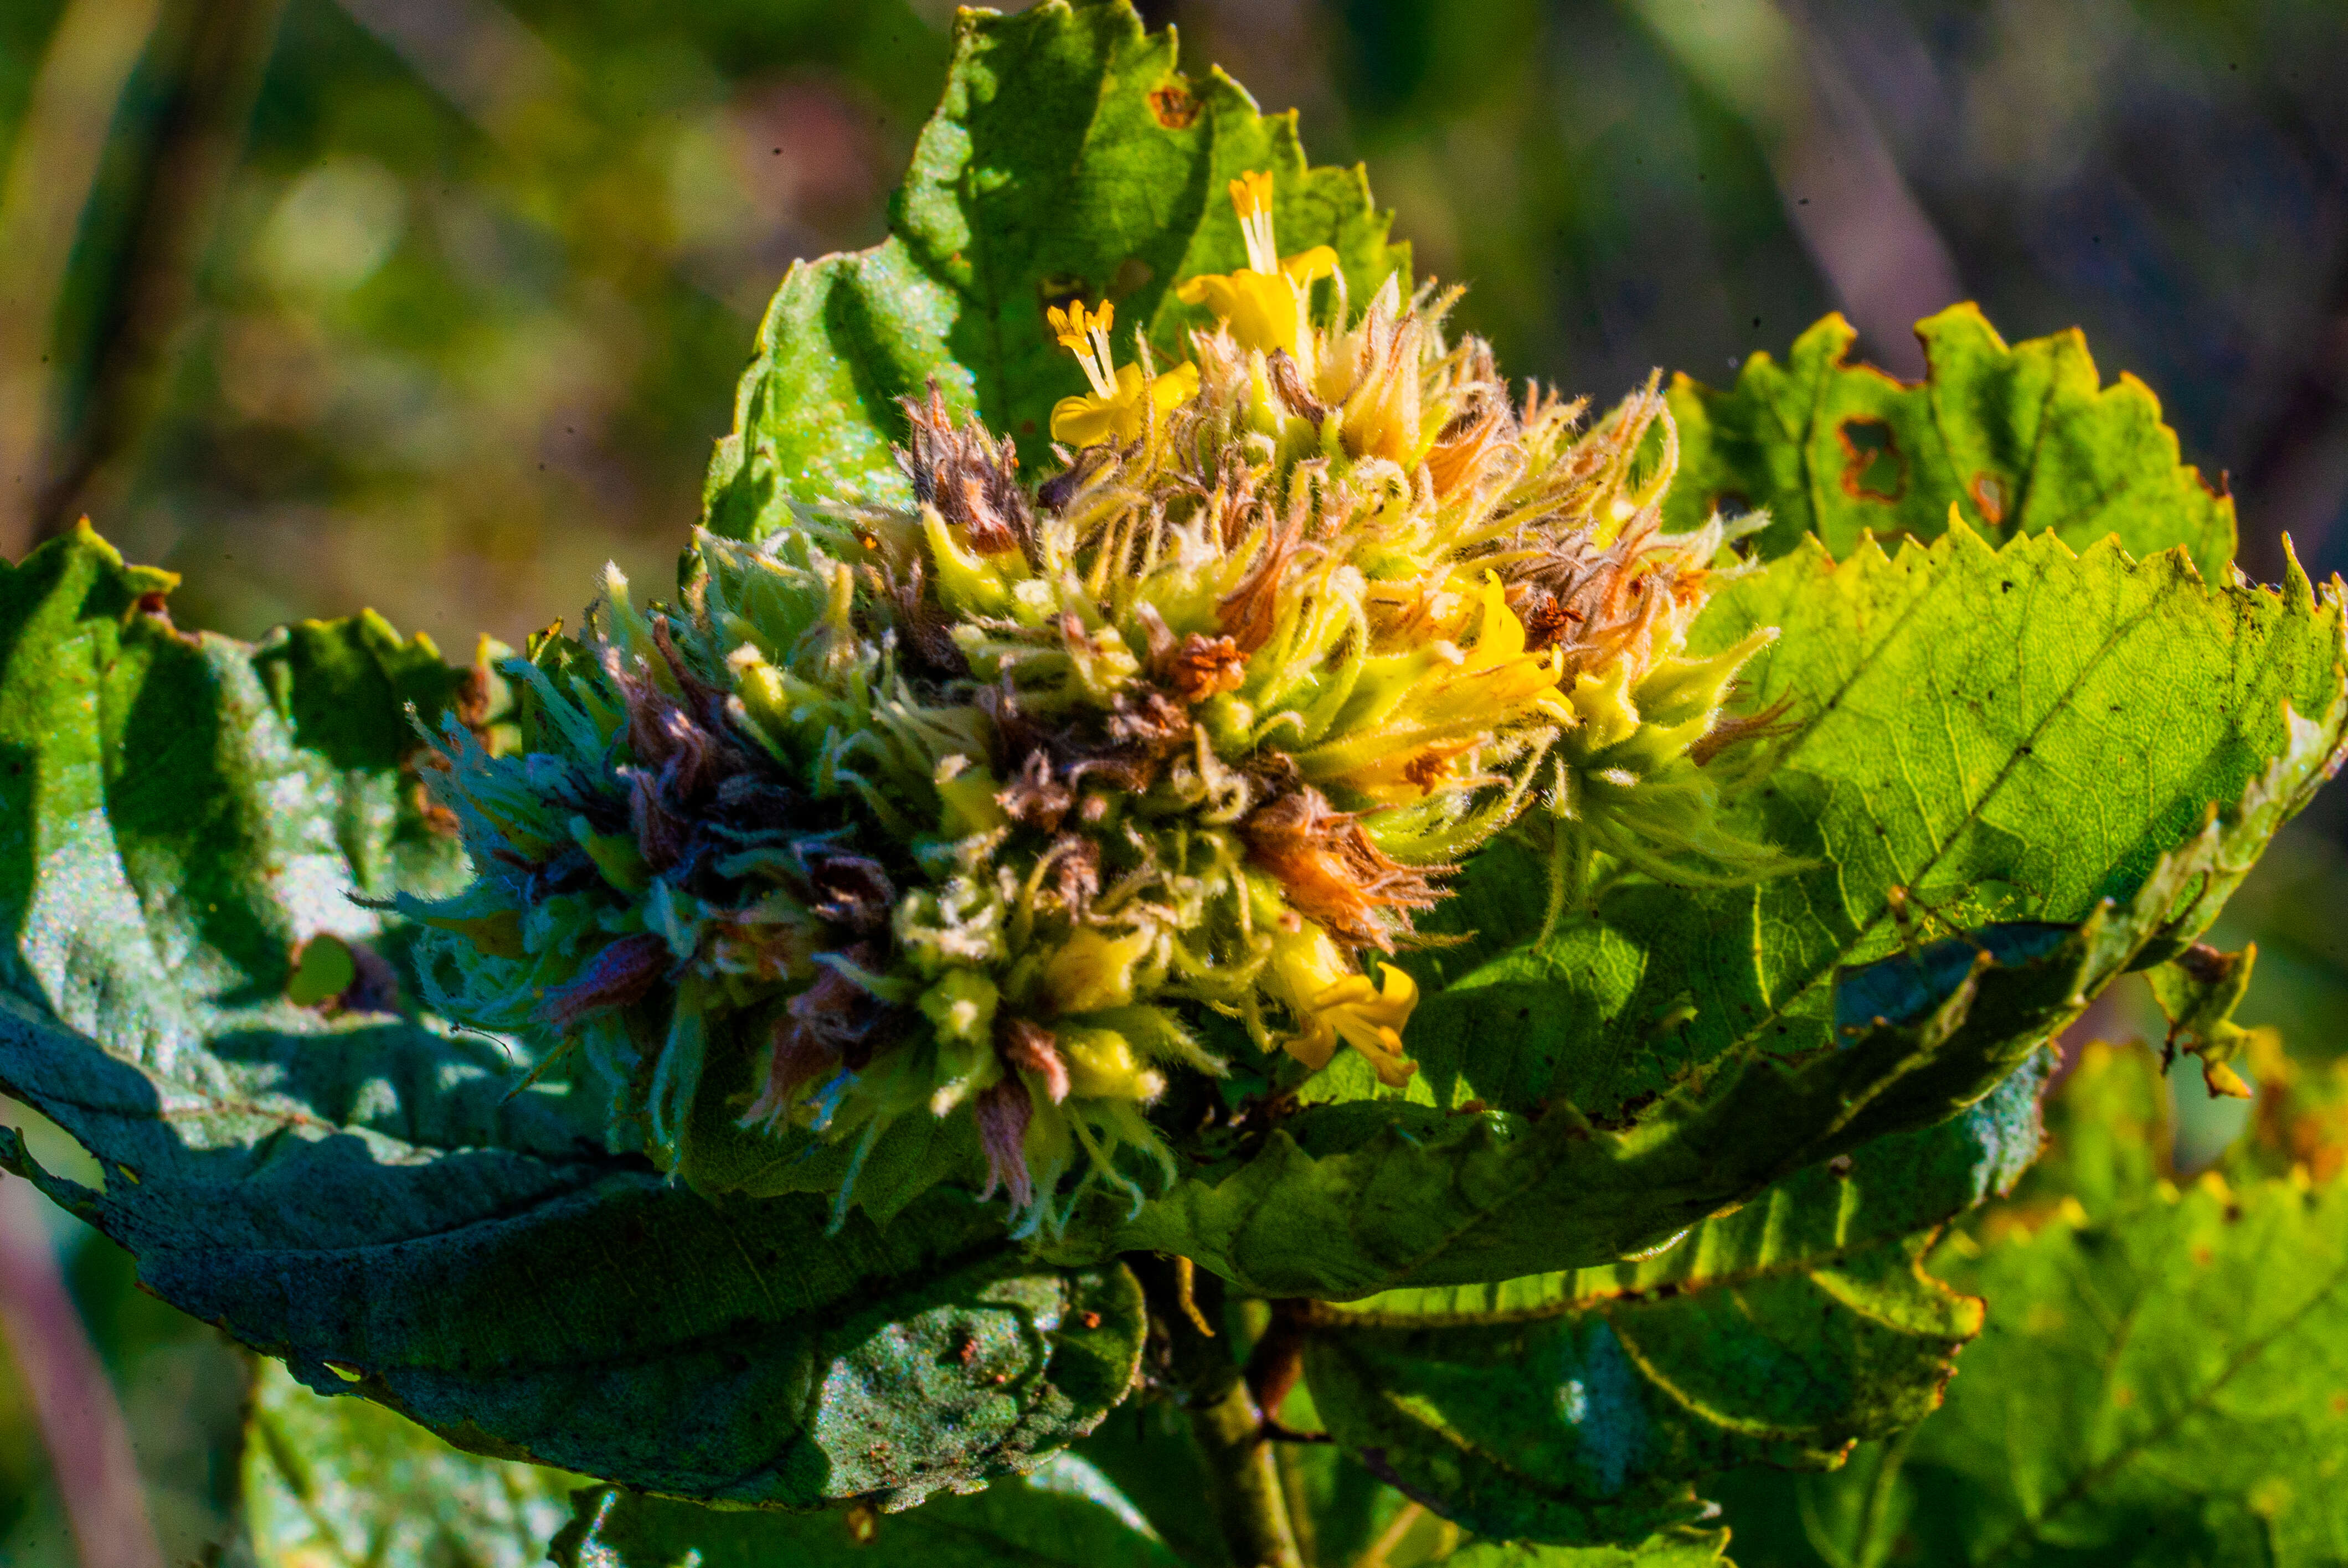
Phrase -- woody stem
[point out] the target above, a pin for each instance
(1243, 1490)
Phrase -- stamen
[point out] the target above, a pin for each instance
(1087, 337)
(1100, 344)
(1251, 199)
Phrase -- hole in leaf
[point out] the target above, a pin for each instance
(1176, 107)
(335, 975)
(1988, 492)
(1732, 505)
(322, 970)
(1876, 471)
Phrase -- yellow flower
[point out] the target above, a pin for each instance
(1091, 971)
(1263, 302)
(1086, 421)
(1121, 394)
(1419, 710)
(1332, 1001)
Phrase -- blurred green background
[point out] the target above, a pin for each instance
(435, 305)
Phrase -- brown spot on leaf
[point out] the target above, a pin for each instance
(1874, 471)
(1133, 275)
(1175, 105)
(1989, 492)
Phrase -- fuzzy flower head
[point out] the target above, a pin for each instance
(974, 820)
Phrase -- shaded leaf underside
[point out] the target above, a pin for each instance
(1580, 1407)
(1063, 1514)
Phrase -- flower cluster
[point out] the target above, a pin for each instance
(975, 807)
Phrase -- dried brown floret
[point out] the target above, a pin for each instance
(1331, 871)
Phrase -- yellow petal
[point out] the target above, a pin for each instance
(1501, 636)
(1175, 387)
(1310, 266)
(1084, 420)
(1260, 309)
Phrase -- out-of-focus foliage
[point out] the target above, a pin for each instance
(345, 1484)
(481, 284)
(488, 267)
(182, 1388)
(2158, 1381)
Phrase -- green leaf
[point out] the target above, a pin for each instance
(1579, 1408)
(2019, 440)
(366, 1195)
(2168, 1386)
(1994, 741)
(2198, 991)
(1147, 1450)
(1068, 158)
(2106, 1168)
(1339, 1512)
(339, 1484)
(759, 1361)
(344, 687)
(1063, 1515)
(1980, 735)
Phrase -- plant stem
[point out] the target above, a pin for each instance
(1243, 1488)
(81, 1421)
(52, 167)
(205, 65)
(1247, 1497)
